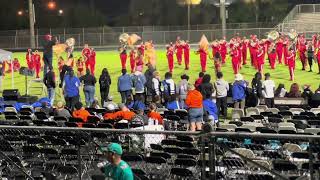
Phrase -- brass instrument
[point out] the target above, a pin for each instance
(273, 35)
(293, 34)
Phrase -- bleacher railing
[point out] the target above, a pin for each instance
(301, 8)
(220, 153)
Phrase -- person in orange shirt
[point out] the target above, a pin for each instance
(153, 115)
(124, 113)
(80, 112)
(194, 103)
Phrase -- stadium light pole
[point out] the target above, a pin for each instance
(223, 17)
(31, 23)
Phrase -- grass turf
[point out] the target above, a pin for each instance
(111, 60)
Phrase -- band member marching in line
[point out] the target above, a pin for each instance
(203, 52)
(29, 59)
(179, 50)
(286, 44)
(92, 62)
(186, 54)
(123, 57)
(244, 52)
(302, 52)
(80, 67)
(132, 60)
(235, 56)
(279, 49)
(253, 48)
(86, 55)
(223, 49)
(272, 55)
(170, 52)
(260, 59)
(291, 58)
(37, 63)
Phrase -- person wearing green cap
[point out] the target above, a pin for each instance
(116, 168)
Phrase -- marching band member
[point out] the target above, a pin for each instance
(86, 55)
(37, 63)
(80, 67)
(291, 62)
(223, 50)
(29, 59)
(244, 52)
(279, 49)
(272, 55)
(170, 52)
(302, 52)
(186, 54)
(132, 60)
(234, 58)
(179, 50)
(123, 57)
(92, 62)
(260, 59)
(253, 48)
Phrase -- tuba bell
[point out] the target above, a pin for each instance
(273, 35)
(123, 38)
(70, 42)
(293, 34)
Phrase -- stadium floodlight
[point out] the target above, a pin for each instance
(60, 11)
(52, 5)
(189, 3)
(20, 13)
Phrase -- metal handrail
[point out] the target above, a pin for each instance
(130, 131)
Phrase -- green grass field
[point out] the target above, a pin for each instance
(110, 60)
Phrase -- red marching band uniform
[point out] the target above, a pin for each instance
(132, 60)
(223, 50)
(235, 55)
(186, 54)
(272, 56)
(279, 49)
(244, 52)
(203, 59)
(37, 63)
(80, 67)
(123, 58)
(291, 57)
(86, 55)
(92, 62)
(179, 50)
(29, 59)
(170, 52)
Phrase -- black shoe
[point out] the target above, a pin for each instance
(303, 69)
(310, 70)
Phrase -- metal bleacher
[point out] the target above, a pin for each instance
(304, 18)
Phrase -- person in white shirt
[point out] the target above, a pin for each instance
(222, 88)
(268, 87)
(156, 84)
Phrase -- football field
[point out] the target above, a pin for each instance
(111, 61)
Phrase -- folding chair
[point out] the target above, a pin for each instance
(296, 111)
(262, 108)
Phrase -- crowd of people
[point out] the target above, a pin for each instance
(203, 99)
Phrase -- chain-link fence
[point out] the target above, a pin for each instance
(75, 153)
(112, 39)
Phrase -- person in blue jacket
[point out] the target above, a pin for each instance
(239, 92)
(124, 85)
(212, 110)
